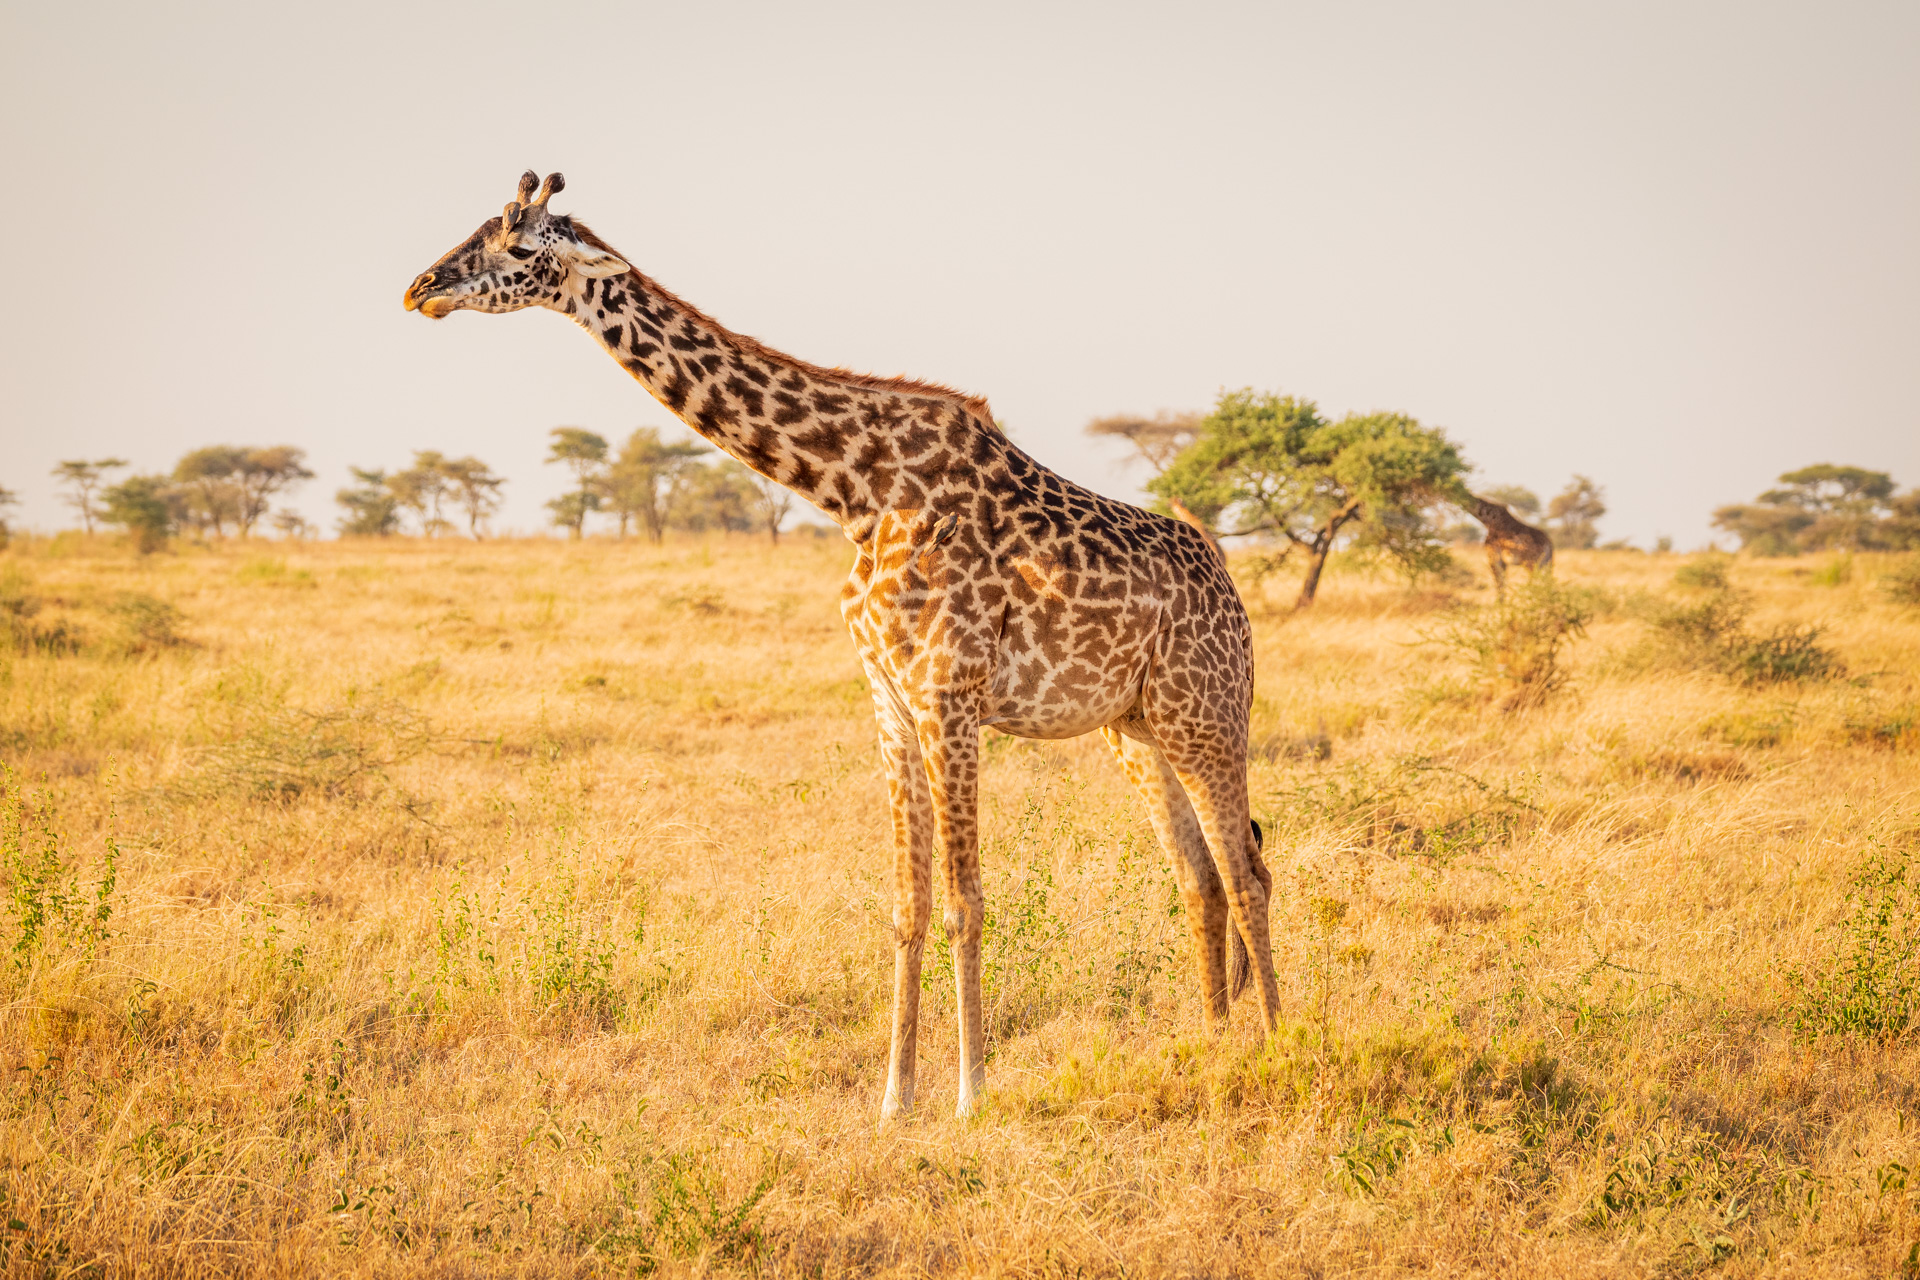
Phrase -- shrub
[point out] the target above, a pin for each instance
(1783, 654)
(1896, 729)
(21, 627)
(288, 751)
(1902, 586)
(1516, 645)
(1708, 572)
(1713, 634)
(1837, 573)
(48, 908)
(146, 623)
(1870, 988)
(678, 1206)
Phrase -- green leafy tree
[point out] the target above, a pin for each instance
(585, 454)
(421, 489)
(147, 507)
(209, 477)
(1574, 513)
(1268, 463)
(81, 480)
(8, 498)
(1820, 507)
(716, 496)
(372, 510)
(1903, 524)
(647, 477)
(261, 474)
(291, 524)
(474, 488)
(769, 501)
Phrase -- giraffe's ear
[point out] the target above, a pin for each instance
(594, 262)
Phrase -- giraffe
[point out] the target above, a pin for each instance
(985, 590)
(1509, 540)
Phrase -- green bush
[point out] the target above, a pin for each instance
(1870, 987)
(1712, 633)
(1709, 573)
(1516, 645)
(1836, 573)
(1902, 586)
(48, 909)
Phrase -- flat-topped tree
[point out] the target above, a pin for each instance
(1263, 463)
(82, 480)
(986, 591)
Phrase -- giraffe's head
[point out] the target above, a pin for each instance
(526, 257)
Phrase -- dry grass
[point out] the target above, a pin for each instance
(439, 909)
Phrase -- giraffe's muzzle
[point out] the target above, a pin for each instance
(427, 296)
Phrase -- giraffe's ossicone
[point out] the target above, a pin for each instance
(985, 590)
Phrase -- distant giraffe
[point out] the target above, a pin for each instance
(1181, 511)
(986, 590)
(1509, 542)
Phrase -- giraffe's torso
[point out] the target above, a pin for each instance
(1049, 604)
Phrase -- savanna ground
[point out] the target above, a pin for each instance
(432, 908)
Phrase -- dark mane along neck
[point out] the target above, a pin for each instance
(853, 444)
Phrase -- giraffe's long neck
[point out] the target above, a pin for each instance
(855, 447)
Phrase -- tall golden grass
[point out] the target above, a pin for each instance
(433, 908)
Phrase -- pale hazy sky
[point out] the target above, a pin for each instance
(1674, 246)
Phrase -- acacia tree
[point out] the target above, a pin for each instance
(1819, 507)
(769, 501)
(474, 488)
(372, 510)
(227, 482)
(1573, 515)
(1157, 441)
(716, 496)
(81, 479)
(1268, 463)
(421, 489)
(262, 473)
(585, 454)
(647, 477)
(207, 478)
(8, 498)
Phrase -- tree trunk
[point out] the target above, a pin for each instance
(1320, 548)
(1317, 560)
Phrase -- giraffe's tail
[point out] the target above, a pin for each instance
(1239, 971)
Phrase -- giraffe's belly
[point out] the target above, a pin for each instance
(1032, 697)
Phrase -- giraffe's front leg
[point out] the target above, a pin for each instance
(950, 745)
(912, 885)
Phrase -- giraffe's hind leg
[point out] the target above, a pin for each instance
(1208, 754)
(1200, 888)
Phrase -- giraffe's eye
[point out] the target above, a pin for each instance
(522, 253)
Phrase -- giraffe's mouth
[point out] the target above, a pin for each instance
(424, 297)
